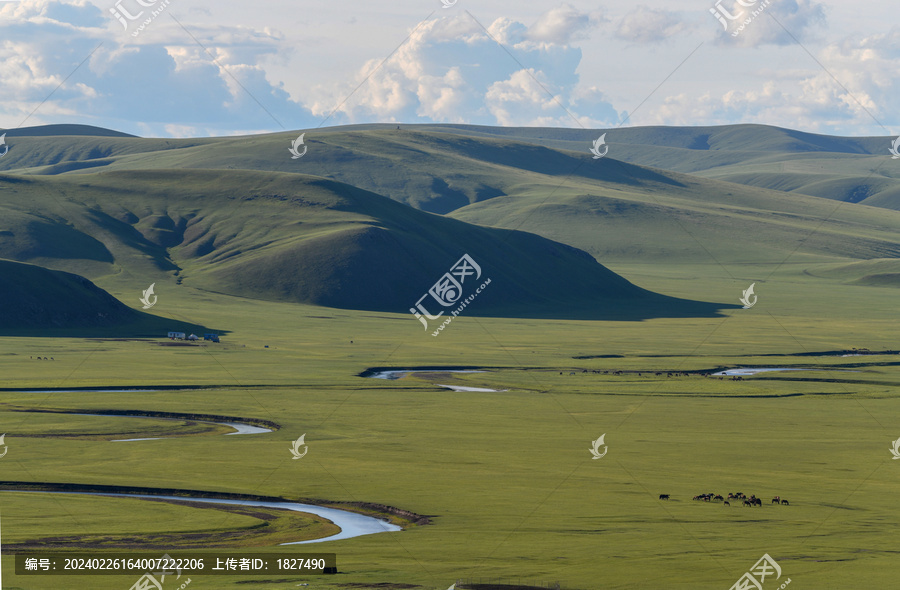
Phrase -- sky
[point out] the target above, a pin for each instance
(196, 68)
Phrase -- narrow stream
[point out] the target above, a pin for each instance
(239, 427)
(351, 524)
(398, 373)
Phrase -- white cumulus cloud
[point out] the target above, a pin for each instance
(752, 23)
(853, 95)
(71, 62)
(452, 70)
(563, 25)
(649, 25)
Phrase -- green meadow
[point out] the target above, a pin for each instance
(614, 296)
(506, 478)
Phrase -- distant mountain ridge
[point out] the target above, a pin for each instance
(420, 164)
(63, 130)
(371, 216)
(703, 138)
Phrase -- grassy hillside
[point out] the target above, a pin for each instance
(298, 238)
(433, 172)
(875, 273)
(701, 221)
(48, 302)
(711, 138)
(522, 179)
(63, 130)
(440, 168)
(502, 471)
(529, 179)
(851, 169)
(506, 476)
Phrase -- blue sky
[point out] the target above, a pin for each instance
(200, 68)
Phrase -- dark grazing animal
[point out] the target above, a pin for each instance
(664, 496)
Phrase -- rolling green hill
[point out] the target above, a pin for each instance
(235, 234)
(702, 221)
(63, 130)
(874, 273)
(433, 172)
(292, 237)
(54, 302)
(440, 168)
(542, 181)
(851, 169)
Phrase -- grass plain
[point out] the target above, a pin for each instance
(238, 239)
(506, 477)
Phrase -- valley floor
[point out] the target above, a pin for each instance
(486, 484)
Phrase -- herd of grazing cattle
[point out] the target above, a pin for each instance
(740, 496)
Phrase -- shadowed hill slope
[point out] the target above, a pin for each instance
(850, 169)
(441, 168)
(300, 238)
(528, 179)
(702, 221)
(63, 129)
(873, 273)
(433, 172)
(51, 301)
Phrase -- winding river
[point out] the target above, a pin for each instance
(352, 524)
(398, 373)
(466, 388)
(239, 428)
(753, 371)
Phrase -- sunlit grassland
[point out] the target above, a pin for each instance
(513, 490)
(506, 477)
